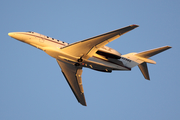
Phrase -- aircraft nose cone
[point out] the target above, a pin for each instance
(11, 34)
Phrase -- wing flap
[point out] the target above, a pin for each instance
(73, 76)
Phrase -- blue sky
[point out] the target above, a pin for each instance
(33, 87)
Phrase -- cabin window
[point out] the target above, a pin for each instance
(52, 38)
(47, 37)
(58, 40)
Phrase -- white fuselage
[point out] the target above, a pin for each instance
(53, 47)
(91, 53)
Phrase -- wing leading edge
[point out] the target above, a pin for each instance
(86, 48)
(73, 76)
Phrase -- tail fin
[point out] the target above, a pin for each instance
(144, 70)
(145, 55)
(142, 59)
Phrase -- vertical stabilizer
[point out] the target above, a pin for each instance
(144, 69)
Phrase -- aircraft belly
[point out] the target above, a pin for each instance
(106, 64)
(95, 64)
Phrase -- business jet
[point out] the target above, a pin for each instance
(90, 53)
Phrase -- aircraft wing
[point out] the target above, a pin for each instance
(73, 76)
(87, 48)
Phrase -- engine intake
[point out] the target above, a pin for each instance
(109, 52)
(108, 55)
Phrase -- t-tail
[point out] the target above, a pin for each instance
(141, 59)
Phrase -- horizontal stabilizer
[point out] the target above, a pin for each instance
(146, 60)
(144, 69)
(149, 53)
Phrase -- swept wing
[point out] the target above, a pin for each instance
(86, 48)
(73, 76)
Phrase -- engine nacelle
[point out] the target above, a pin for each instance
(109, 52)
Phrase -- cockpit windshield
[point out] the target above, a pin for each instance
(30, 32)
